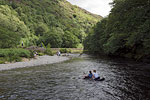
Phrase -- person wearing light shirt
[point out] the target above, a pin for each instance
(95, 75)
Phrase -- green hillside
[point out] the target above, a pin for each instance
(43, 21)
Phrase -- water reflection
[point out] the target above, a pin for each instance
(63, 81)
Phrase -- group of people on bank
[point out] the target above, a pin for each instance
(93, 75)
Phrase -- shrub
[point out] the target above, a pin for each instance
(14, 58)
(14, 54)
(65, 50)
(2, 60)
(40, 54)
(22, 53)
(48, 50)
(31, 53)
(69, 51)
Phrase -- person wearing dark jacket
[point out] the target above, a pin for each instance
(90, 75)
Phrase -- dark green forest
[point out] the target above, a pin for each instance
(124, 32)
(36, 22)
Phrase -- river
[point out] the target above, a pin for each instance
(124, 80)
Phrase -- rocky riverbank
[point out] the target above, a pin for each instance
(40, 60)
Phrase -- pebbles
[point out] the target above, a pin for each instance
(40, 60)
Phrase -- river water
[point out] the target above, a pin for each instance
(124, 80)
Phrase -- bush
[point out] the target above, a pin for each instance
(14, 58)
(65, 50)
(14, 54)
(40, 54)
(23, 53)
(69, 51)
(31, 54)
(48, 50)
(2, 60)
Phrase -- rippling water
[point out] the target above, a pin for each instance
(63, 81)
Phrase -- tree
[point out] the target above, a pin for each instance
(70, 40)
(8, 39)
(41, 29)
(125, 32)
(54, 37)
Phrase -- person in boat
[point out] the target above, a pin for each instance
(95, 75)
(90, 75)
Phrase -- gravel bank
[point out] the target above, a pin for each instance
(41, 60)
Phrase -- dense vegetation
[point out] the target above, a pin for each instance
(43, 21)
(9, 55)
(125, 32)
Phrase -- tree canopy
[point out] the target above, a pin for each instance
(125, 32)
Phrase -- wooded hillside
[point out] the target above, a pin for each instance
(43, 21)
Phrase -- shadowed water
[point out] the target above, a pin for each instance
(63, 81)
